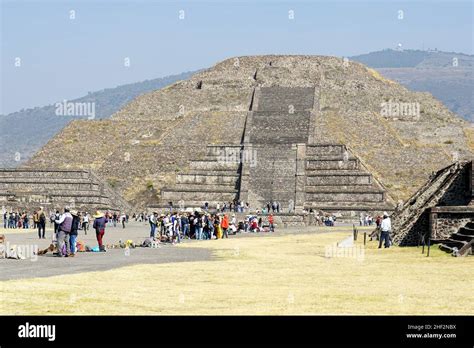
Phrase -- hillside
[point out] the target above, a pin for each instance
(430, 71)
(211, 108)
(28, 130)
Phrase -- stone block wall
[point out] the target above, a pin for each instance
(448, 187)
(448, 223)
(54, 189)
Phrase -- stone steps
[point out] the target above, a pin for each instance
(216, 179)
(279, 98)
(344, 197)
(462, 237)
(349, 206)
(202, 188)
(467, 231)
(343, 189)
(213, 172)
(338, 178)
(213, 165)
(323, 150)
(218, 150)
(279, 128)
(33, 173)
(329, 158)
(169, 194)
(28, 186)
(45, 180)
(470, 226)
(454, 243)
(324, 164)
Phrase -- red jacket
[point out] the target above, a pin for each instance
(225, 222)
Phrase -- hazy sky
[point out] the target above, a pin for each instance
(64, 58)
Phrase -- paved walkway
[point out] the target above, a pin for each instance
(49, 265)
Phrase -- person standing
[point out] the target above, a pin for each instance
(73, 234)
(64, 227)
(123, 219)
(185, 225)
(270, 223)
(35, 219)
(41, 223)
(85, 222)
(385, 228)
(99, 225)
(197, 227)
(225, 226)
(53, 219)
(153, 222)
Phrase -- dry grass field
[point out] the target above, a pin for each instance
(279, 274)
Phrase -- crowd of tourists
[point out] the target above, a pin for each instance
(174, 227)
(368, 220)
(170, 227)
(235, 206)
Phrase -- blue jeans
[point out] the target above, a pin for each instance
(152, 230)
(185, 230)
(178, 237)
(198, 233)
(72, 241)
(385, 236)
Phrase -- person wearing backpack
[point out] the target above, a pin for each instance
(64, 228)
(35, 219)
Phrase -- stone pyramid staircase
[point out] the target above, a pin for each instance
(54, 189)
(462, 241)
(336, 180)
(212, 179)
(429, 195)
(279, 163)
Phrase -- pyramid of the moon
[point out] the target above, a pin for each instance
(306, 131)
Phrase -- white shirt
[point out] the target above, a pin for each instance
(386, 225)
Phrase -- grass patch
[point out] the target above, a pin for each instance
(285, 274)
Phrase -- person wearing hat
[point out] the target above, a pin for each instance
(99, 225)
(64, 223)
(385, 228)
(73, 234)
